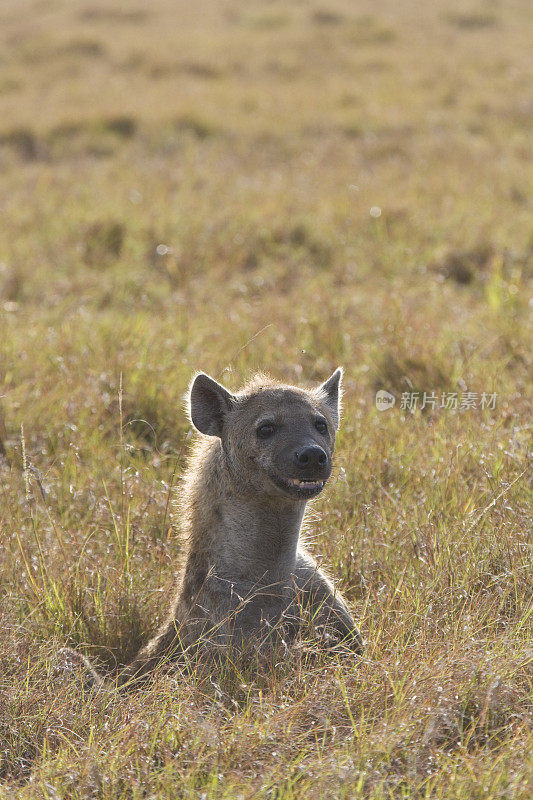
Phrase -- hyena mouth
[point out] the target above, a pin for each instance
(299, 488)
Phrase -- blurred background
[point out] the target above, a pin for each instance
(284, 185)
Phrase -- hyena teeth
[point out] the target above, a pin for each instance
(305, 484)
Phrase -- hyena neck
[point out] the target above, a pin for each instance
(260, 539)
(241, 536)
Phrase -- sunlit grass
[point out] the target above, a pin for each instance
(190, 186)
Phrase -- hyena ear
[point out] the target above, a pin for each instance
(331, 395)
(209, 402)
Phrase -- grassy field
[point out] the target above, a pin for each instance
(232, 186)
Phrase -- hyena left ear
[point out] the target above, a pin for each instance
(331, 394)
(209, 404)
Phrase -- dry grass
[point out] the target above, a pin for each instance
(190, 186)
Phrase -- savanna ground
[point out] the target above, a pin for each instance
(189, 186)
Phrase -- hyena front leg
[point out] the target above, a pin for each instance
(325, 604)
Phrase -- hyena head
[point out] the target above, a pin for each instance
(277, 440)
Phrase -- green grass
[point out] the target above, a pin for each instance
(189, 186)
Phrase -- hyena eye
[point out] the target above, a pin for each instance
(265, 431)
(321, 426)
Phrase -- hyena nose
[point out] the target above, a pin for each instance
(312, 456)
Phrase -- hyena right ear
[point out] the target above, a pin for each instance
(331, 393)
(209, 402)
